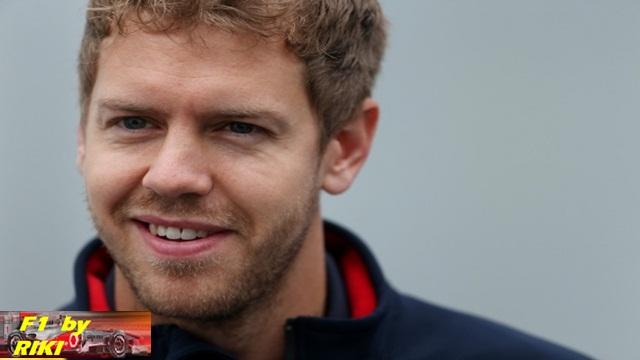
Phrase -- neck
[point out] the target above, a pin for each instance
(259, 333)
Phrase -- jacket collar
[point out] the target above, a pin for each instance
(371, 300)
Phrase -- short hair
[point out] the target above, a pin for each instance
(340, 42)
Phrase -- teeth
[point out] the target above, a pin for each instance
(188, 234)
(174, 233)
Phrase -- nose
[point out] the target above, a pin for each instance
(180, 168)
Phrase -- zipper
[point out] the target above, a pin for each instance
(289, 341)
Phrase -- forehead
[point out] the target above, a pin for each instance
(202, 64)
(207, 44)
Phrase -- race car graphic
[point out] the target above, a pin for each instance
(94, 342)
(116, 342)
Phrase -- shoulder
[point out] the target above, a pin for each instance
(423, 330)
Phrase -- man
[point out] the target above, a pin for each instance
(208, 130)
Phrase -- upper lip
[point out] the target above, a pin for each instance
(183, 224)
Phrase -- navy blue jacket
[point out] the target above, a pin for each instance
(382, 323)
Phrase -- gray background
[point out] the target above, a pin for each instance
(504, 180)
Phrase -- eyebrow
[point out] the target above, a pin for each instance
(232, 112)
(128, 106)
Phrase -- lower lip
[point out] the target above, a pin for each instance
(185, 248)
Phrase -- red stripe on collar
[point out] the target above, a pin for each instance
(359, 286)
(97, 269)
(360, 291)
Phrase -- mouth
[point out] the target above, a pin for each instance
(176, 233)
(180, 238)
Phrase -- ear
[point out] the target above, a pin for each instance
(348, 149)
(80, 147)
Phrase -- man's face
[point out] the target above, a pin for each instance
(209, 136)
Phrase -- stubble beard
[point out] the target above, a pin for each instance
(253, 286)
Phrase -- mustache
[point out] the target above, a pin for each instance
(186, 206)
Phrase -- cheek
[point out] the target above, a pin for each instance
(268, 187)
(110, 177)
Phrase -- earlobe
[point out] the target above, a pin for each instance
(80, 147)
(334, 180)
(348, 149)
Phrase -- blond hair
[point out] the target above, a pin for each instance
(341, 42)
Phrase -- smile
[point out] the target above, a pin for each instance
(178, 230)
(175, 233)
(180, 237)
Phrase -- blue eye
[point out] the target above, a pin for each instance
(241, 128)
(134, 123)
